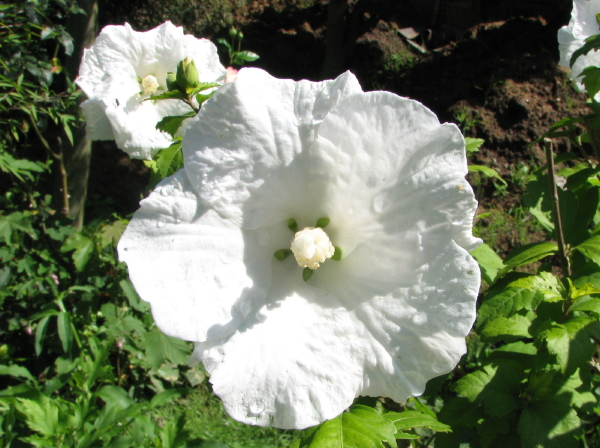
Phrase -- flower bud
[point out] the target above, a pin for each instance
(171, 81)
(187, 74)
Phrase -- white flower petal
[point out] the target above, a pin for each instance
(97, 125)
(392, 314)
(572, 37)
(255, 129)
(390, 317)
(297, 356)
(201, 273)
(383, 161)
(110, 72)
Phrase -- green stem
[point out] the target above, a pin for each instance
(558, 228)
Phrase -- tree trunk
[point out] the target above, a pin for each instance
(84, 29)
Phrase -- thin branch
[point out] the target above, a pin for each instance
(558, 227)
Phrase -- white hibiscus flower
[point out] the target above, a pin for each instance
(572, 37)
(390, 315)
(123, 68)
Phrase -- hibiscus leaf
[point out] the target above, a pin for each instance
(171, 124)
(591, 43)
(504, 303)
(406, 420)
(489, 262)
(172, 95)
(204, 86)
(528, 253)
(570, 341)
(591, 248)
(496, 386)
(549, 423)
(203, 98)
(507, 329)
(168, 162)
(359, 427)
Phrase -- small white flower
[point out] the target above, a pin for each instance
(123, 68)
(390, 315)
(572, 37)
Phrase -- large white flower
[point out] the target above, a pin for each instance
(572, 37)
(382, 321)
(123, 68)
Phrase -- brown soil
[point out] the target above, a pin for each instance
(500, 77)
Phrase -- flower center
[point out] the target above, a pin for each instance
(149, 85)
(311, 247)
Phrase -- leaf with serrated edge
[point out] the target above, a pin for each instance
(528, 253)
(360, 427)
(506, 329)
(489, 262)
(591, 248)
(406, 420)
(496, 386)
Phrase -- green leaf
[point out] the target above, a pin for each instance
(489, 262)
(496, 386)
(247, 56)
(40, 417)
(160, 348)
(504, 303)
(205, 86)
(473, 144)
(203, 98)
(360, 427)
(337, 254)
(15, 222)
(591, 43)
(172, 95)
(406, 420)
(17, 371)
(570, 342)
(171, 124)
(586, 303)
(84, 248)
(528, 253)
(549, 423)
(134, 299)
(547, 285)
(506, 329)
(167, 396)
(591, 248)
(115, 395)
(40, 333)
(225, 43)
(168, 162)
(111, 233)
(486, 171)
(63, 322)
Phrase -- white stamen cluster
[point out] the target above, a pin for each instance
(311, 247)
(149, 85)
